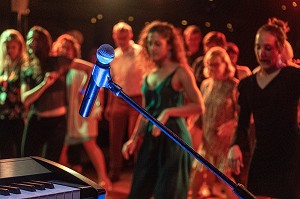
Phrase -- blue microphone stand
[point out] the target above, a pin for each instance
(238, 189)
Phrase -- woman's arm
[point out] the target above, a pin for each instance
(183, 80)
(240, 140)
(82, 65)
(28, 96)
(139, 129)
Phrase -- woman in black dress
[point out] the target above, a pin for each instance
(272, 96)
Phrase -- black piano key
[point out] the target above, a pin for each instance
(4, 192)
(38, 186)
(26, 187)
(48, 185)
(12, 189)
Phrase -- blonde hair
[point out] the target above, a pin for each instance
(212, 54)
(7, 36)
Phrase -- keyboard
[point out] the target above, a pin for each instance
(36, 177)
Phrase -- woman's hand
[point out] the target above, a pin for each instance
(97, 112)
(235, 159)
(50, 78)
(163, 118)
(128, 148)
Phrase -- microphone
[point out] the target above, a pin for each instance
(99, 78)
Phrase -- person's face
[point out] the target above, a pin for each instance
(193, 42)
(158, 47)
(266, 51)
(67, 49)
(217, 67)
(122, 39)
(13, 48)
(32, 42)
(233, 57)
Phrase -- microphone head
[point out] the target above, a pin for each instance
(105, 54)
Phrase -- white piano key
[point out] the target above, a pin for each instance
(59, 192)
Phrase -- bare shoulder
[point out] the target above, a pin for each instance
(184, 72)
(244, 69)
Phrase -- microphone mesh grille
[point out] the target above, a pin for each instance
(105, 54)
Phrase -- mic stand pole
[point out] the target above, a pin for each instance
(238, 189)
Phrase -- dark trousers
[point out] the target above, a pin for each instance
(122, 120)
(10, 137)
(44, 137)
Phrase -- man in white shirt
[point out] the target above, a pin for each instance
(129, 76)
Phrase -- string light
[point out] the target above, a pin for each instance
(184, 22)
(93, 20)
(99, 16)
(283, 7)
(130, 18)
(207, 24)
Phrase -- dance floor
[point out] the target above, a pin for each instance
(121, 188)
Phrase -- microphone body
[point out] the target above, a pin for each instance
(99, 78)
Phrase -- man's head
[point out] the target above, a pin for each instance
(122, 35)
(192, 37)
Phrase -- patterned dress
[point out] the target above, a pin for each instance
(163, 166)
(220, 107)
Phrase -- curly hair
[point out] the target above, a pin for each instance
(167, 31)
(63, 38)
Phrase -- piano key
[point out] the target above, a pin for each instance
(59, 192)
(48, 185)
(36, 185)
(26, 187)
(12, 189)
(4, 192)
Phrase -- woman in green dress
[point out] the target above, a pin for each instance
(163, 167)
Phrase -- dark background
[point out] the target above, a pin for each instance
(246, 16)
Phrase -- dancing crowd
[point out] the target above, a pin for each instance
(246, 123)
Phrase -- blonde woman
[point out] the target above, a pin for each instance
(219, 92)
(13, 57)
